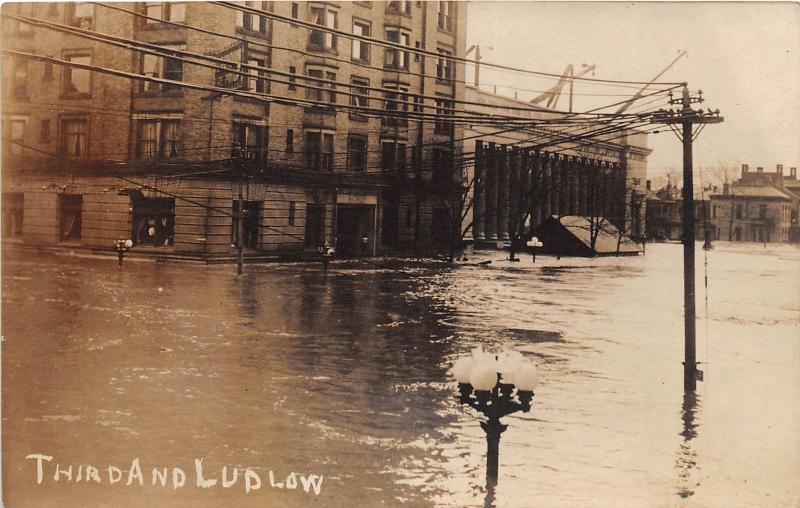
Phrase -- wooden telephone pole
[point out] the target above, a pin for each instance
(686, 118)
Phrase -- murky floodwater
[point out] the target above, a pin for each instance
(345, 375)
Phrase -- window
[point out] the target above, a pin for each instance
(292, 79)
(738, 211)
(396, 58)
(445, 16)
(16, 135)
(401, 7)
(44, 136)
(321, 91)
(442, 169)
(77, 81)
(256, 83)
(393, 156)
(292, 212)
(319, 151)
(251, 136)
(69, 217)
(174, 12)
(74, 137)
(13, 213)
(325, 17)
(289, 141)
(20, 87)
(714, 211)
(161, 67)
(295, 9)
(24, 9)
(444, 65)
(153, 221)
(315, 226)
(48, 71)
(360, 50)
(357, 153)
(444, 117)
(251, 218)
(762, 211)
(359, 88)
(80, 14)
(158, 139)
(250, 22)
(396, 104)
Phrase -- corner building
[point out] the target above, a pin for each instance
(295, 127)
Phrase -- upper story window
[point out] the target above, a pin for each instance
(399, 7)
(445, 15)
(250, 22)
(20, 86)
(319, 150)
(318, 90)
(396, 104)
(251, 136)
(81, 15)
(357, 152)
(762, 211)
(359, 88)
(77, 81)
(360, 50)
(16, 135)
(328, 18)
(161, 67)
(739, 211)
(74, 136)
(444, 117)
(256, 68)
(444, 65)
(397, 58)
(158, 138)
(174, 12)
(24, 9)
(393, 156)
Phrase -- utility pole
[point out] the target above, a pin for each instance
(686, 117)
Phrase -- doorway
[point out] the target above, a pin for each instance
(354, 225)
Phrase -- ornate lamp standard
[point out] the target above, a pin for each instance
(497, 385)
(122, 246)
(534, 243)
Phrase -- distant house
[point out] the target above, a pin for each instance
(759, 207)
(665, 213)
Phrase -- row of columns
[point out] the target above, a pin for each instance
(512, 184)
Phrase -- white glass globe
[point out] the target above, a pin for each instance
(463, 368)
(129, 243)
(526, 377)
(483, 377)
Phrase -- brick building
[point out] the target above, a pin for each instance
(759, 207)
(90, 157)
(665, 213)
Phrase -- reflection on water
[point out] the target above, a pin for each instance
(344, 374)
(686, 461)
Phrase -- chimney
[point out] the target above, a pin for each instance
(793, 172)
(726, 189)
(780, 169)
(648, 183)
(745, 168)
(759, 169)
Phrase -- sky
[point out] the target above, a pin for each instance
(743, 56)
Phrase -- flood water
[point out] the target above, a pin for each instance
(345, 375)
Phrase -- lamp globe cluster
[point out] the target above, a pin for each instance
(483, 370)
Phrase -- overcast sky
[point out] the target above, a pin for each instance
(744, 56)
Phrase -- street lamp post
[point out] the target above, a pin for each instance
(496, 385)
(122, 246)
(534, 244)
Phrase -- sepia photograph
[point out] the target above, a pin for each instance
(457, 254)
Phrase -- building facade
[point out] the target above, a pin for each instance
(173, 120)
(523, 176)
(759, 207)
(665, 213)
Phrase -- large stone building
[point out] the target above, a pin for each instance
(530, 174)
(327, 138)
(759, 207)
